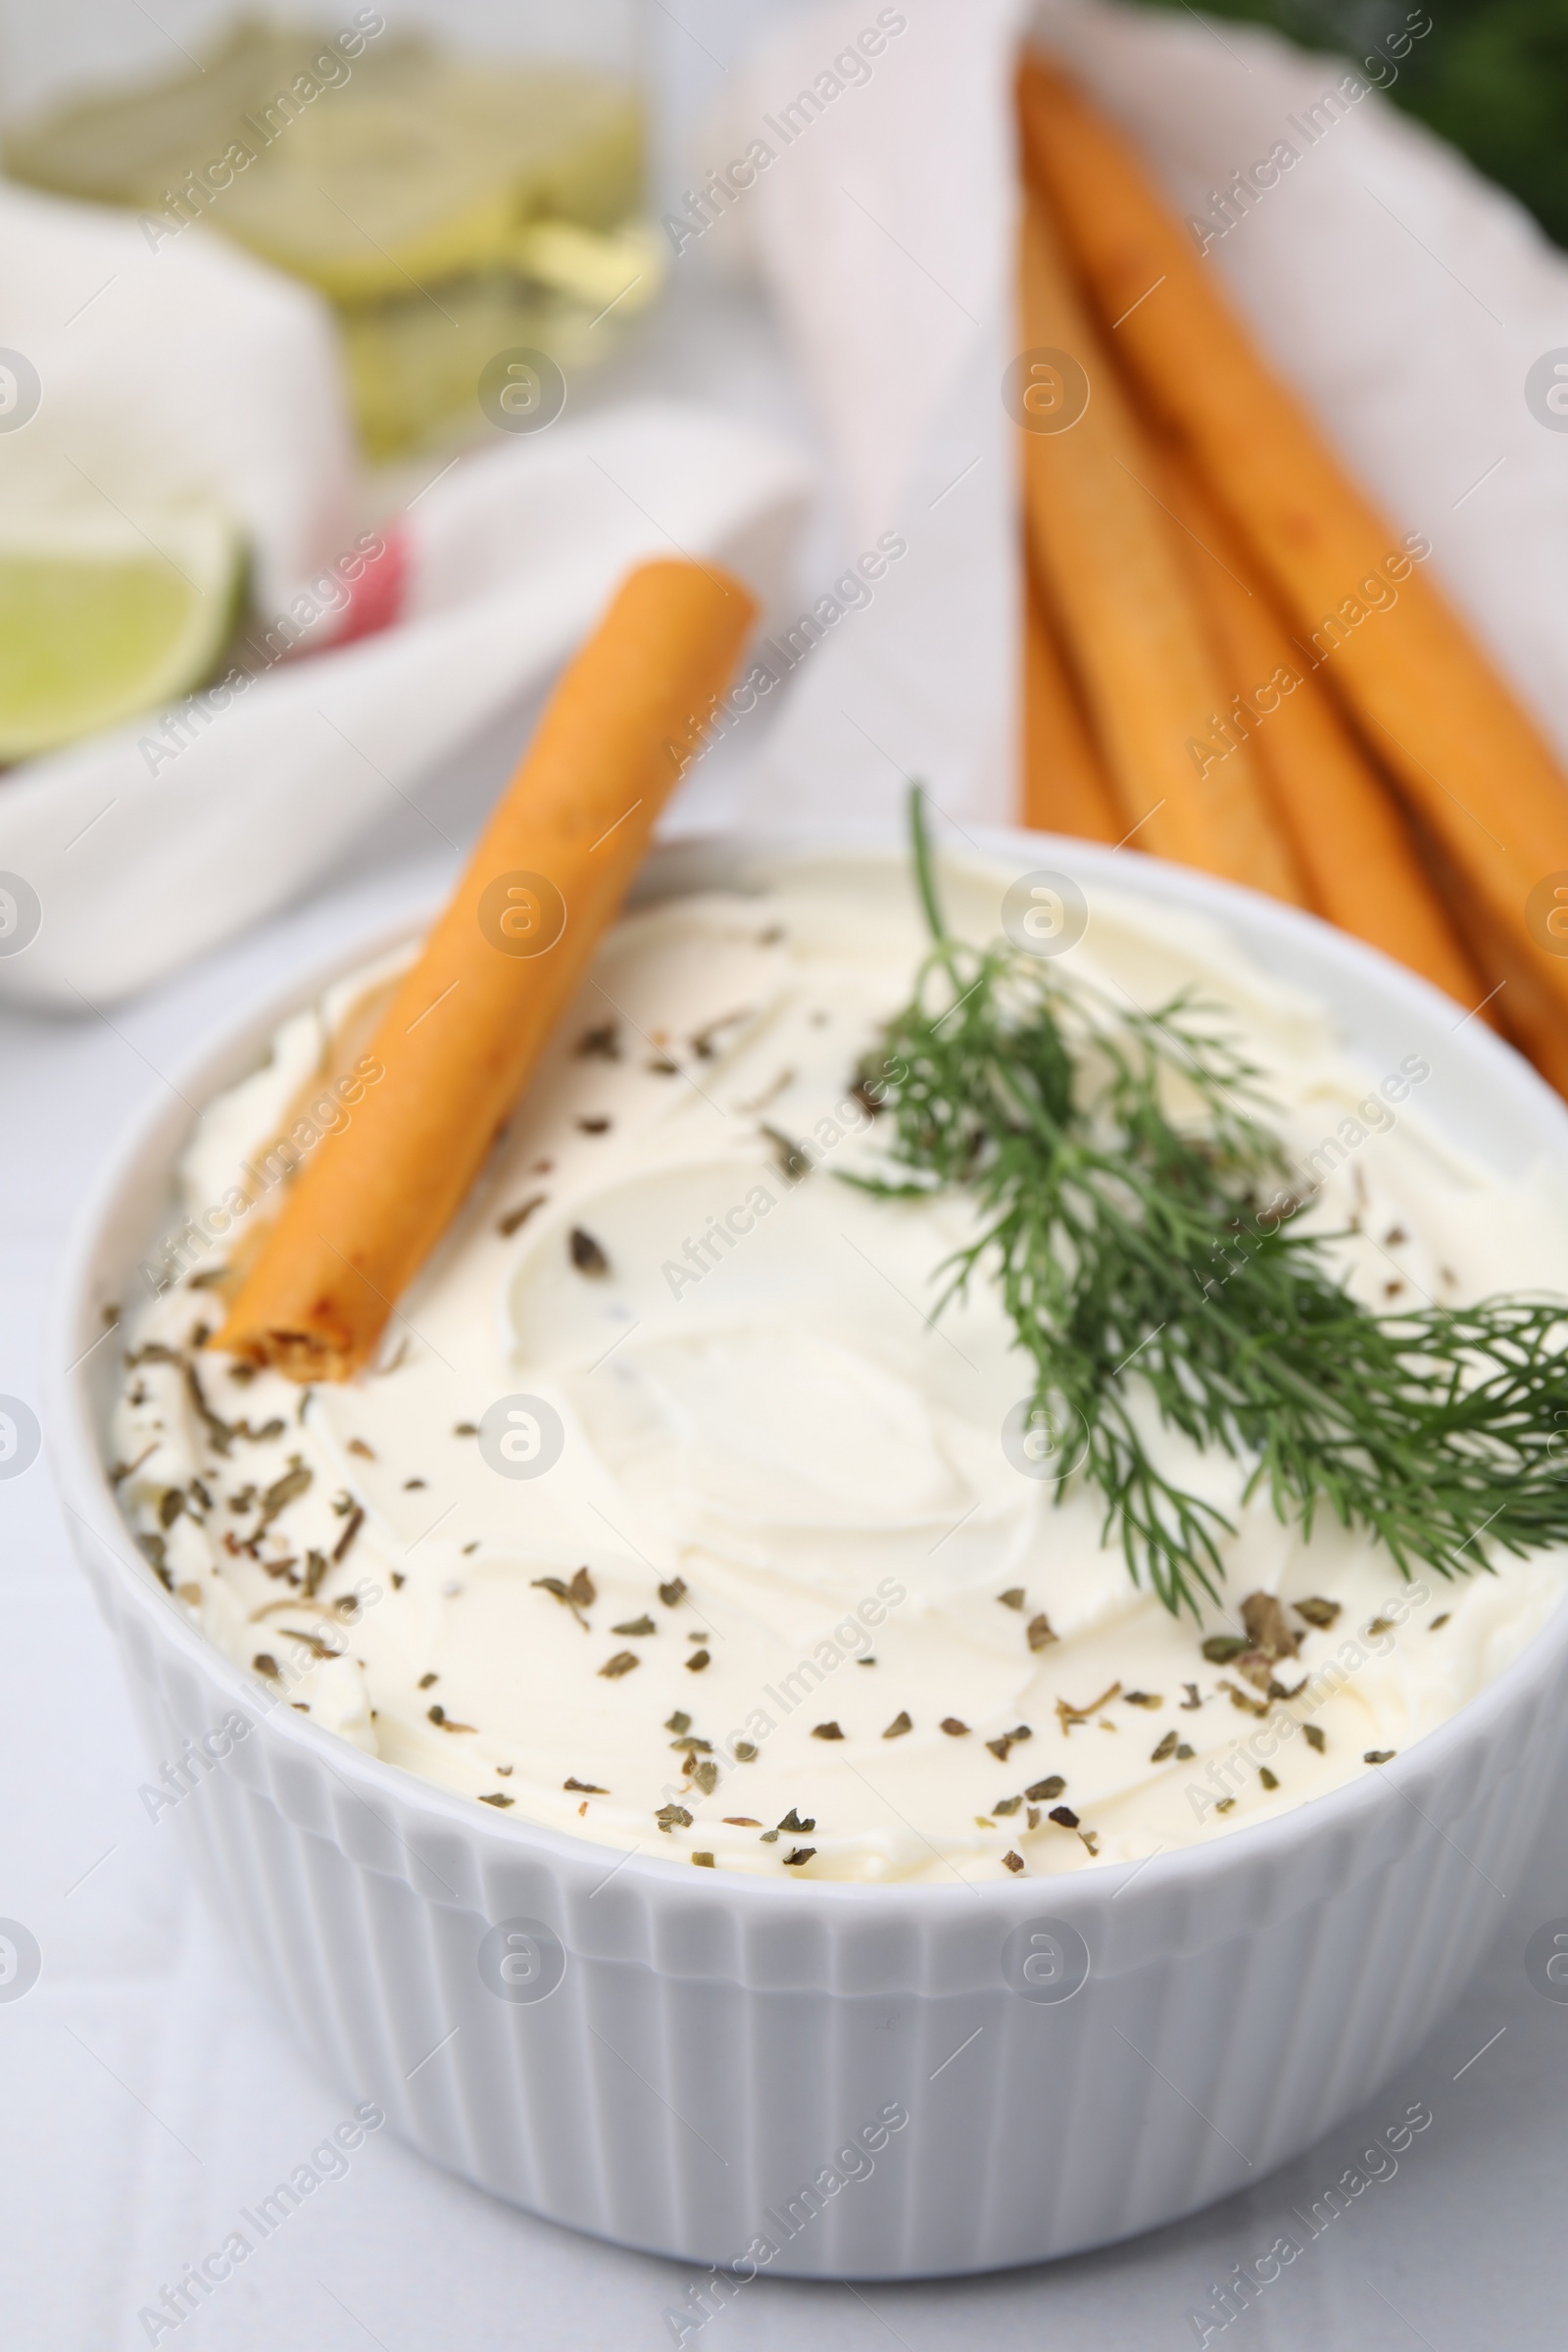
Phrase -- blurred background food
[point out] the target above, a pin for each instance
(449, 203)
(175, 457)
(447, 206)
(97, 622)
(420, 193)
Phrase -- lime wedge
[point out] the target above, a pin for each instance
(99, 620)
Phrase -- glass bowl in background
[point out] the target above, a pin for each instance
(461, 182)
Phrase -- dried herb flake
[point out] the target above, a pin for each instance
(586, 1254)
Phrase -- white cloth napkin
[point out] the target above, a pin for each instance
(1402, 295)
(883, 231)
(170, 370)
(140, 861)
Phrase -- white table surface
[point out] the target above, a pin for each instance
(146, 2091)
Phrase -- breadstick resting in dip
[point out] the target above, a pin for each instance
(474, 1014)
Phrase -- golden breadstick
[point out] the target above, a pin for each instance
(1102, 545)
(1466, 755)
(1350, 840)
(1066, 786)
(470, 1018)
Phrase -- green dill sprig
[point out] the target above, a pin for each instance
(1135, 1211)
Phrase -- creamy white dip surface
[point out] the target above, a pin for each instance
(669, 1517)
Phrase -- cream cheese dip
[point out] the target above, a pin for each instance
(669, 1516)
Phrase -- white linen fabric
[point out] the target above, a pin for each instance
(1402, 295)
(140, 859)
(172, 367)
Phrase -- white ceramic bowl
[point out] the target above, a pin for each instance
(693, 2063)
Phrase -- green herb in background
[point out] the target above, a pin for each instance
(1146, 1257)
(1492, 75)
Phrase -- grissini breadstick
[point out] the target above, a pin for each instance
(1464, 751)
(1350, 840)
(1526, 1012)
(470, 1018)
(1530, 1019)
(1102, 545)
(1066, 786)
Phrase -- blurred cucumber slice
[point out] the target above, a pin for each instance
(98, 622)
(367, 178)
